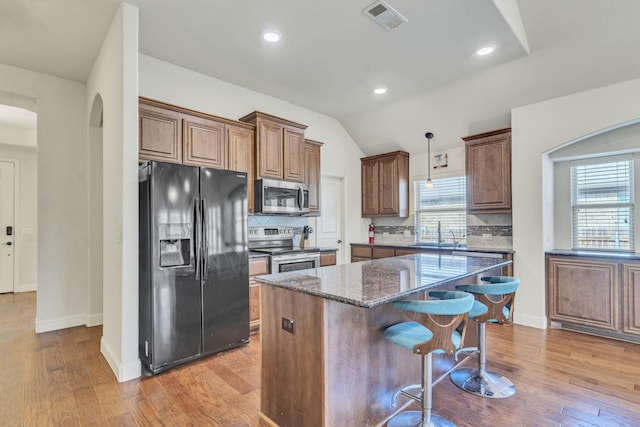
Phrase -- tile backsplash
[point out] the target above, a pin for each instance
(483, 231)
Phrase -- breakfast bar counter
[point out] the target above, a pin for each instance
(325, 361)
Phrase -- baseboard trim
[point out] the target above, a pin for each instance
(122, 371)
(94, 319)
(28, 287)
(532, 321)
(60, 323)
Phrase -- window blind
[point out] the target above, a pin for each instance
(602, 205)
(444, 203)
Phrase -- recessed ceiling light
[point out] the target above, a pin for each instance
(380, 90)
(486, 50)
(271, 36)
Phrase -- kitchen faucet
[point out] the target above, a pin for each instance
(455, 244)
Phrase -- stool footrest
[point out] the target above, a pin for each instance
(483, 383)
(405, 392)
(467, 351)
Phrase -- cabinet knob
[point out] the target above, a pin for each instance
(339, 241)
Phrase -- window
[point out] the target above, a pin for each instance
(444, 204)
(602, 204)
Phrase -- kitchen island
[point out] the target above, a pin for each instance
(325, 361)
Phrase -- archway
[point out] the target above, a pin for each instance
(95, 285)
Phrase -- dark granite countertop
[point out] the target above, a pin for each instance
(372, 283)
(439, 248)
(595, 254)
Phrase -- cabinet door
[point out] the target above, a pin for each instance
(269, 150)
(204, 143)
(388, 185)
(370, 193)
(378, 253)
(488, 164)
(327, 258)
(294, 153)
(160, 134)
(631, 298)
(240, 155)
(583, 292)
(256, 267)
(312, 174)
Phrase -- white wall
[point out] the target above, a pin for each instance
(340, 155)
(114, 77)
(62, 194)
(538, 129)
(25, 222)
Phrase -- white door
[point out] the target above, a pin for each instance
(7, 229)
(330, 222)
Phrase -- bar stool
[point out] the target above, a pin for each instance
(434, 332)
(479, 381)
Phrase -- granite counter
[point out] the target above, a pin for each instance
(325, 361)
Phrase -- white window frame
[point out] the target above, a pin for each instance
(428, 234)
(600, 241)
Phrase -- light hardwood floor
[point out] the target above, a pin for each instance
(60, 379)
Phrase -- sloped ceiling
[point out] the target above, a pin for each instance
(332, 56)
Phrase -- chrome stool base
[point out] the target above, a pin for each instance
(414, 419)
(485, 384)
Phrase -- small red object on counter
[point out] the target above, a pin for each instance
(372, 231)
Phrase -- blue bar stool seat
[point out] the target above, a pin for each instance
(497, 296)
(435, 331)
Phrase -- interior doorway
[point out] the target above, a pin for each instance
(7, 226)
(330, 223)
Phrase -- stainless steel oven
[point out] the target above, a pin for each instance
(294, 261)
(278, 243)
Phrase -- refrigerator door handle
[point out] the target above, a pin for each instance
(205, 243)
(197, 232)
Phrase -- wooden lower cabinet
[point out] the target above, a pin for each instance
(582, 291)
(257, 267)
(595, 295)
(327, 258)
(631, 298)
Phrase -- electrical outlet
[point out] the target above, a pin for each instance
(288, 325)
(487, 236)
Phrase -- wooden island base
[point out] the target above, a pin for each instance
(336, 368)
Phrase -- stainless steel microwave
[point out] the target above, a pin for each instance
(273, 196)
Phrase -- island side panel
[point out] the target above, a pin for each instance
(292, 364)
(362, 368)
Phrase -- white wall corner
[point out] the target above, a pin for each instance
(94, 319)
(27, 287)
(60, 323)
(122, 371)
(531, 321)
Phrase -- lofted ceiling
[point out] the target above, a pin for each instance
(331, 55)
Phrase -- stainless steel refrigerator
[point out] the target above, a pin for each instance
(194, 267)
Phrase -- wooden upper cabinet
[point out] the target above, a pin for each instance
(204, 143)
(240, 155)
(293, 150)
(269, 157)
(279, 147)
(160, 134)
(385, 185)
(488, 171)
(312, 173)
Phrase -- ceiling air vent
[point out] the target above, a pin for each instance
(384, 15)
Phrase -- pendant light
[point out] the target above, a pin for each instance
(429, 183)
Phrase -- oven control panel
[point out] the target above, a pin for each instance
(270, 233)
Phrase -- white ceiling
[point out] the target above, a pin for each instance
(331, 55)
